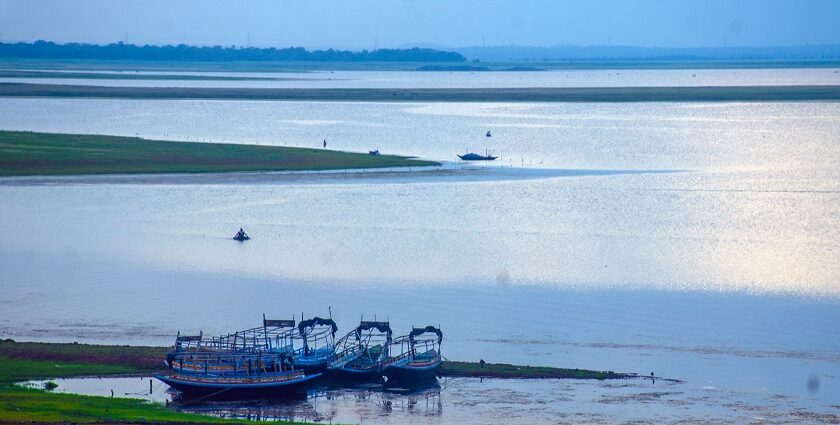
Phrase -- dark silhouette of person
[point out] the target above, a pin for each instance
(325, 143)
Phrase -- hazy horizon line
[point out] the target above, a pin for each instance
(424, 45)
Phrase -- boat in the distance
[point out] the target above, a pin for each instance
(241, 236)
(418, 359)
(488, 156)
(317, 337)
(360, 353)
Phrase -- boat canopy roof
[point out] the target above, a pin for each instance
(383, 327)
(428, 329)
(316, 321)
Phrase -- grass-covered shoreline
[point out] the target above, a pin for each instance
(30, 153)
(503, 370)
(528, 94)
(24, 361)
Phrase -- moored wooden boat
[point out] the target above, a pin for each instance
(317, 349)
(250, 364)
(360, 353)
(419, 356)
(239, 386)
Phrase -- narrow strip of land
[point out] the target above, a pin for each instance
(28, 153)
(13, 73)
(533, 94)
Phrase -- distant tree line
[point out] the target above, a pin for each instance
(120, 51)
(813, 53)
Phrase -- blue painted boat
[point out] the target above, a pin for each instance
(418, 358)
(360, 353)
(317, 349)
(239, 387)
(249, 364)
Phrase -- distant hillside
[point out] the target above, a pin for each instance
(815, 53)
(119, 51)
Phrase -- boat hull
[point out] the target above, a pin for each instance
(411, 374)
(312, 366)
(477, 157)
(357, 375)
(196, 388)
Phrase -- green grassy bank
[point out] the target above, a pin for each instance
(30, 153)
(28, 361)
(502, 370)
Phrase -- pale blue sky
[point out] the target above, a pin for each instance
(361, 24)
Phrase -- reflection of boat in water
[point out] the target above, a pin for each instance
(476, 157)
(419, 358)
(317, 336)
(360, 353)
(249, 364)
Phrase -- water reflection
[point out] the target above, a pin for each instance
(331, 404)
(516, 401)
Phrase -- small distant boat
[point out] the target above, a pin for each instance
(360, 354)
(241, 236)
(476, 157)
(419, 358)
(489, 134)
(374, 153)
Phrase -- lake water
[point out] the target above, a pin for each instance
(698, 241)
(477, 401)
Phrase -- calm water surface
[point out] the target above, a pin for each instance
(475, 401)
(699, 241)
